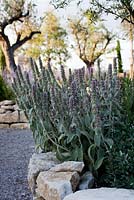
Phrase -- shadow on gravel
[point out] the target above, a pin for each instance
(16, 148)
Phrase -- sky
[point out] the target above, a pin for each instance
(70, 11)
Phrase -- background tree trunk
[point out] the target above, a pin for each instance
(5, 52)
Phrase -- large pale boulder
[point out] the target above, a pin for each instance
(56, 185)
(71, 166)
(38, 163)
(102, 194)
(9, 117)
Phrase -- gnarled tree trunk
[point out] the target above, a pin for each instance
(6, 47)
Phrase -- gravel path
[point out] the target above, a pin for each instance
(16, 147)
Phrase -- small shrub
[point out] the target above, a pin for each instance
(119, 57)
(5, 91)
(118, 170)
(2, 60)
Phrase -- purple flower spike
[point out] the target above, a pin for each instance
(110, 71)
(63, 73)
(71, 103)
(93, 85)
(91, 73)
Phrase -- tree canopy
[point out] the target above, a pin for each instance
(51, 44)
(91, 39)
(60, 3)
(123, 9)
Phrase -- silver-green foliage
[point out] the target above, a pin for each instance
(76, 118)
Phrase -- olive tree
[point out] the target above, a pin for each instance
(18, 16)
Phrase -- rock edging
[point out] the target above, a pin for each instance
(51, 180)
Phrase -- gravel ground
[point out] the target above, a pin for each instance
(16, 147)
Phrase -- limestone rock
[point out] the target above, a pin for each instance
(72, 177)
(7, 102)
(16, 107)
(8, 107)
(86, 181)
(49, 156)
(8, 111)
(22, 117)
(38, 163)
(38, 198)
(56, 185)
(69, 166)
(20, 126)
(2, 111)
(56, 190)
(102, 194)
(4, 125)
(9, 117)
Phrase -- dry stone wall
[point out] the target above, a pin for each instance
(11, 116)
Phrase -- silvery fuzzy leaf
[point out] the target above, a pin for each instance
(97, 139)
(98, 163)
(109, 141)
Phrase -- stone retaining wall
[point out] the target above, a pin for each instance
(11, 116)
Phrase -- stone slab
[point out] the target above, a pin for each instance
(2, 111)
(20, 126)
(4, 125)
(7, 102)
(9, 117)
(102, 194)
(16, 107)
(71, 166)
(22, 117)
(10, 107)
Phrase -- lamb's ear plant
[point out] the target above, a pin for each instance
(75, 117)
